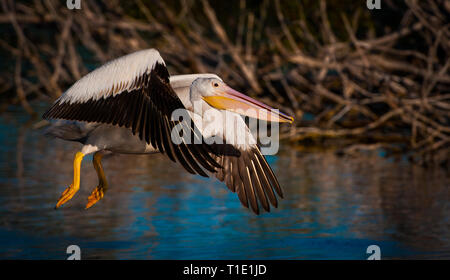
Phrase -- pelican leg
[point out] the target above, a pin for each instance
(75, 186)
(100, 190)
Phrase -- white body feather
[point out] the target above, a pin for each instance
(218, 126)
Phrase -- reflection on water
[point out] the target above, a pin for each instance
(334, 207)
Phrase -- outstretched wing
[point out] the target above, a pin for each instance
(134, 91)
(247, 173)
(244, 169)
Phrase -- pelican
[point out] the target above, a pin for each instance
(126, 106)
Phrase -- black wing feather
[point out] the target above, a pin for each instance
(247, 173)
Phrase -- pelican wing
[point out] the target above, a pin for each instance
(244, 169)
(247, 173)
(134, 91)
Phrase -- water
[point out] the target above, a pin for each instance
(334, 207)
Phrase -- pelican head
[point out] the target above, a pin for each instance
(220, 96)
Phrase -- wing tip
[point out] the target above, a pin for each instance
(251, 177)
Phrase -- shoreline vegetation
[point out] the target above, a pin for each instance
(356, 78)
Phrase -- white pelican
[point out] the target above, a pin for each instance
(125, 106)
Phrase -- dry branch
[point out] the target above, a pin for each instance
(354, 86)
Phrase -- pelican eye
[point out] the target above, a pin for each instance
(215, 85)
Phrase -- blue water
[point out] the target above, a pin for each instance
(334, 207)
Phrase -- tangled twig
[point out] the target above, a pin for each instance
(350, 79)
